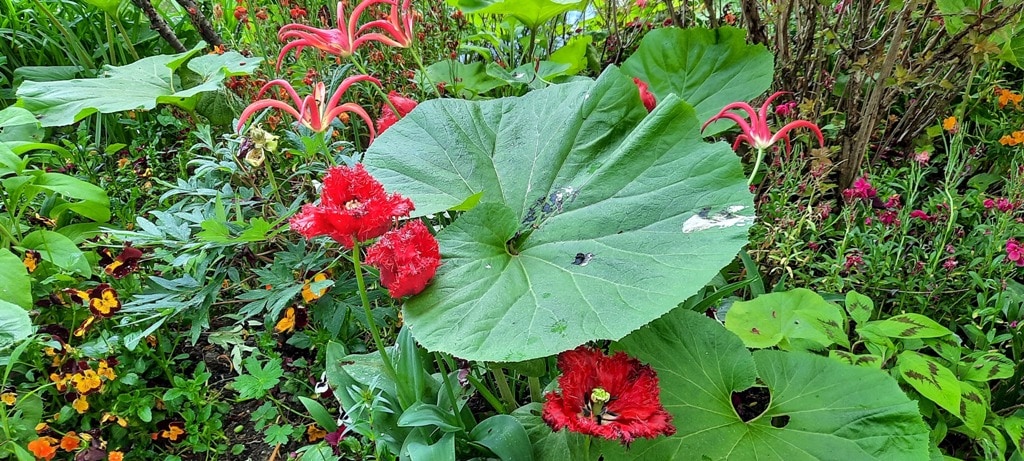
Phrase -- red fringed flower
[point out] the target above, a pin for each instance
(614, 397)
(407, 259)
(352, 205)
(645, 94)
(387, 118)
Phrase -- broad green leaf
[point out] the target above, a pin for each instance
(463, 80)
(504, 436)
(15, 283)
(797, 319)
(1014, 427)
(14, 116)
(535, 76)
(1013, 51)
(547, 445)
(420, 449)
(859, 307)
(948, 347)
(139, 85)
(532, 13)
(708, 68)
(107, 6)
(92, 201)
(590, 224)
(59, 250)
(421, 414)
(15, 325)
(934, 381)
(973, 408)
(10, 163)
(574, 53)
(909, 326)
(992, 365)
(819, 408)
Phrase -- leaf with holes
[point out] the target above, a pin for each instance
(928, 377)
(909, 326)
(798, 319)
(595, 217)
(992, 365)
(818, 408)
(707, 68)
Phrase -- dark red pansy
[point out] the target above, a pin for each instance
(125, 263)
(353, 205)
(613, 397)
(407, 259)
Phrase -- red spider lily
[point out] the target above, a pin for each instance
(346, 37)
(407, 259)
(755, 131)
(388, 117)
(353, 206)
(614, 397)
(311, 111)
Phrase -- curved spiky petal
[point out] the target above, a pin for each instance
(744, 126)
(356, 109)
(287, 88)
(336, 97)
(764, 111)
(264, 104)
(799, 124)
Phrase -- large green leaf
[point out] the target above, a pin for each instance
(796, 319)
(59, 250)
(15, 284)
(139, 85)
(91, 200)
(707, 68)
(532, 13)
(595, 218)
(15, 325)
(819, 408)
(929, 377)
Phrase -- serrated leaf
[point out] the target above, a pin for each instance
(259, 379)
(910, 326)
(588, 216)
(707, 68)
(797, 319)
(932, 380)
(826, 410)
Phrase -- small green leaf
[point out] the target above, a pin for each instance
(992, 365)
(420, 449)
(421, 414)
(861, 360)
(320, 414)
(15, 283)
(928, 377)
(15, 325)
(909, 326)
(92, 203)
(574, 53)
(278, 435)
(797, 319)
(859, 307)
(259, 380)
(505, 436)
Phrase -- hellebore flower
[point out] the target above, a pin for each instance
(613, 397)
(645, 94)
(407, 259)
(353, 205)
(346, 37)
(387, 118)
(312, 110)
(755, 131)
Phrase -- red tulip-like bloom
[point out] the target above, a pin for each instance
(387, 118)
(346, 37)
(645, 94)
(614, 397)
(407, 259)
(756, 131)
(313, 111)
(353, 206)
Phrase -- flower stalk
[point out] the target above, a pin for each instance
(357, 266)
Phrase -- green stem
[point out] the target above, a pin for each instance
(127, 40)
(357, 266)
(757, 166)
(423, 69)
(535, 391)
(486, 394)
(270, 177)
(503, 389)
(448, 387)
(586, 448)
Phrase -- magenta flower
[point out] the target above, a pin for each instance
(861, 189)
(312, 111)
(1004, 204)
(1015, 252)
(346, 37)
(755, 131)
(989, 204)
(920, 214)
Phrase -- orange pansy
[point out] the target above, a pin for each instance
(314, 433)
(115, 456)
(307, 293)
(70, 441)
(43, 448)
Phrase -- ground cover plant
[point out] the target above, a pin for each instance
(516, 230)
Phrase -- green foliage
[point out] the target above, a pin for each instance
(532, 13)
(258, 379)
(798, 319)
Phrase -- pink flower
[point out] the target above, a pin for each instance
(645, 94)
(387, 118)
(852, 261)
(989, 204)
(755, 130)
(892, 202)
(922, 158)
(949, 264)
(312, 111)
(920, 214)
(861, 189)
(346, 37)
(641, 3)
(783, 110)
(1004, 204)
(1014, 252)
(889, 218)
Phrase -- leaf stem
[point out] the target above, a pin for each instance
(503, 389)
